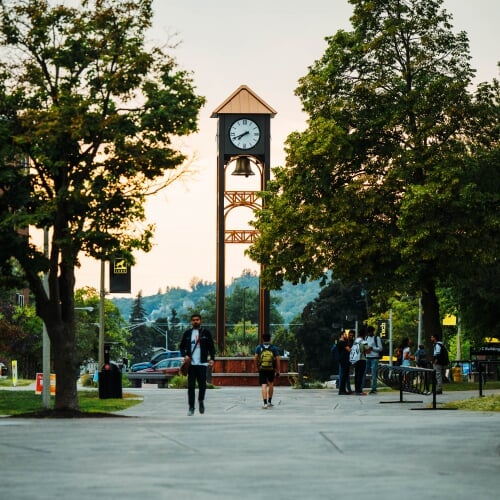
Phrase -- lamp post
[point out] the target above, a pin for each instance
(45, 335)
(419, 331)
(245, 288)
(102, 295)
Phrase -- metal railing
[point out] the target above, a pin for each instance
(408, 379)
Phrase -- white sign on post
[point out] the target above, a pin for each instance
(14, 372)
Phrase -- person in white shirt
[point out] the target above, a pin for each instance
(372, 358)
(195, 346)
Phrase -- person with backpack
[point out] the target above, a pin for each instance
(268, 363)
(421, 357)
(357, 357)
(375, 343)
(440, 361)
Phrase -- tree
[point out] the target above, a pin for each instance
(88, 115)
(175, 333)
(336, 308)
(142, 340)
(377, 188)
(21, 339)
(87, 325)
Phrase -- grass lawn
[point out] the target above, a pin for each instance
(18, 402)
(475, 403)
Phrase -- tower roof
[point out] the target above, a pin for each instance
(243, 100)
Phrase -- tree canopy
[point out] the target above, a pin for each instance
(386, 185)
(88, 120)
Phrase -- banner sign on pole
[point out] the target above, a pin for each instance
(14, 372)
(383, 328)
(119, 276)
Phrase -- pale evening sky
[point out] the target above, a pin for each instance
(267, 45)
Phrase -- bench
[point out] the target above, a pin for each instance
(161, 379)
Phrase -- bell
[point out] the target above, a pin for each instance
(243, 167)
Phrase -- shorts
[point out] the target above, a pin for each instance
(266, 376)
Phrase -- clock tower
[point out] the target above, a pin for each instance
(243, 138)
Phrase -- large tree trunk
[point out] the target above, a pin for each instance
(63, 351)
(58, 313)
(430, 317)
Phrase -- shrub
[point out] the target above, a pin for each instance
(86, 380)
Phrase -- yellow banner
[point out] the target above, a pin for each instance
(450, 320)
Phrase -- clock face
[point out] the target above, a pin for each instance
(244, 133)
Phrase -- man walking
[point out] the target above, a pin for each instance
(375, 344)
(268, 363)
(196, 344)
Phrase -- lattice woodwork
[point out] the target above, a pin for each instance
(240, 235)
(242, 199)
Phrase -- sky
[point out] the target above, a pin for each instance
(267, 45)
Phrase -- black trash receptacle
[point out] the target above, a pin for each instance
(110, 382)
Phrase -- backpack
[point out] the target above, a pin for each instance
(355, 354)
(266, 359)
(443, 358)
(420, 358)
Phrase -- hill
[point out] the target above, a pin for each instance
(293, 298)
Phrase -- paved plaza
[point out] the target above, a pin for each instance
(314, 444)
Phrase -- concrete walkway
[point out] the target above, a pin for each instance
(313, 444)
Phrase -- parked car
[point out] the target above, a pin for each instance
(159, 356)
(3, 370)
(171, 366)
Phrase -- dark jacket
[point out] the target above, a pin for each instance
(343, 352)
(206, 344)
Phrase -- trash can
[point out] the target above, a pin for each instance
(110, 378)
(110, 382)
(456, 372)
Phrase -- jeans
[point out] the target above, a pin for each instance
(344, 372)
(371, 368)
(359, 375)
(439, 369)
(197, 373)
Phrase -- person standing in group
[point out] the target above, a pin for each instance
(344, 364)
(375, 344)
(421, 357)
(268, 363)
(196, 345)
(406, 357)
(351, 337)
(360, 365)
(439, 361)
(421, 362)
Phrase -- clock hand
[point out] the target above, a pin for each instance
(241, 135)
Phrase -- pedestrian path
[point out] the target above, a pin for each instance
(311, 444)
